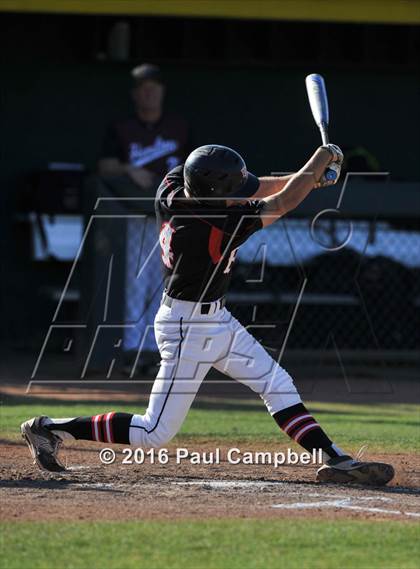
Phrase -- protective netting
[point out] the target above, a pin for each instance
(355, 284)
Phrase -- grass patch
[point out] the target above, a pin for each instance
(383, 427)
(211, 544)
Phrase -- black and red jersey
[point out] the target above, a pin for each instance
(198, 243)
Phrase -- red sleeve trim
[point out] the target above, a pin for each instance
(215, 242)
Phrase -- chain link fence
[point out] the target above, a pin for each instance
(354, 285)
(338, 288)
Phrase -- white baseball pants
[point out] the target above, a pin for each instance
(190, 344)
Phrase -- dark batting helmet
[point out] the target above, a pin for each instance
(218, 172)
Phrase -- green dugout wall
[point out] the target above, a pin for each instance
(56, 102)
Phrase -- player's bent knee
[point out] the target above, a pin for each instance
(155, 436)
(158, 439)
(281, 391)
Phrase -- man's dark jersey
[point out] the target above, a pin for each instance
(197, 243)
(159, 147)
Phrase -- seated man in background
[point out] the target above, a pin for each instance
(144, 147)
(150, 143)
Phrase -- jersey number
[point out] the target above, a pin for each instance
(165, 240)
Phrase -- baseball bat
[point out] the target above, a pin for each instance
(318, 101)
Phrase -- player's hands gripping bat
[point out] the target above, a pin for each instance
(317, 95)
(328, 178)
(336, 153)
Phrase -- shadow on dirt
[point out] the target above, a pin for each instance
(59, 484)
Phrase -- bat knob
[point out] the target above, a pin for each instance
(330, 174)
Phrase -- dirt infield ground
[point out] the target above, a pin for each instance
(92, 491)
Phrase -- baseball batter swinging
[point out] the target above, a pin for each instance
(206, 209)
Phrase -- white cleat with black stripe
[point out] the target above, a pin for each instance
(345, 470)
(43, 444)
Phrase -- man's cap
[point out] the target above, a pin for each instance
(146, 71)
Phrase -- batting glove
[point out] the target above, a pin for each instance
(336, 153)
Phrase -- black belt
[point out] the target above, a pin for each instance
(204, 307)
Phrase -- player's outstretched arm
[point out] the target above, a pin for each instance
(270, 185)
(297, 188)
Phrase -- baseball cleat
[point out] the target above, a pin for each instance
(345, 470)
(43, 444)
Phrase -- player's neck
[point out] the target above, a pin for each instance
(149, 115)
